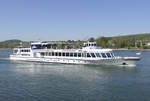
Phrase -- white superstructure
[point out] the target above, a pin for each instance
(89, 54)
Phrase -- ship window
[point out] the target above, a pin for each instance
(56, 54)
(75, 54)
(112, 54)
(63, 54)
(98, 55)
(15, 51)
(42, 54)
(67, 54)
(52, 53)
(88, 55)
(59, 53)
(71, 54)
(79, 54)
(92, 54)
(93, 44)
(47, 54)
(103, 55)
(84, 54)
(108, 55)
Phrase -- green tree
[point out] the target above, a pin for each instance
(92, 39)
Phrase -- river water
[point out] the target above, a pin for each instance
(32, 81)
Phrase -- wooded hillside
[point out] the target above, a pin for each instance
(136, 41)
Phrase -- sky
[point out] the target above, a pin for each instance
(47, 20)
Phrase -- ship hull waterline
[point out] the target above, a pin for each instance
(118, 61)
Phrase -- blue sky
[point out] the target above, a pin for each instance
(72, 19)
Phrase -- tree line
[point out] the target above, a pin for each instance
(138, 41)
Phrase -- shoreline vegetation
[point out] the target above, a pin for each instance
(127, 42)
(112, 48)
(131, 49)
(119, 49)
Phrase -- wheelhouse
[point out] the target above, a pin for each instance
(89, 44)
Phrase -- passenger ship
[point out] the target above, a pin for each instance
(88, 54)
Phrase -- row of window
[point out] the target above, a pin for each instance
(25, 50)
(90, 44)
(75, 54)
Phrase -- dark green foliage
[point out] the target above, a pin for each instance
(91, 39)
(128, 41)
(13, 43)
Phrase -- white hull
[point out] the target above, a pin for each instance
(117, 61)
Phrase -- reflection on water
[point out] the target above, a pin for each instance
(31, 68)
(74, 80)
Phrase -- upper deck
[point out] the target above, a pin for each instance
(87, 47)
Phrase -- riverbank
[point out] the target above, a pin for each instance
(123, 49)
(5, 49)
(118, 49)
